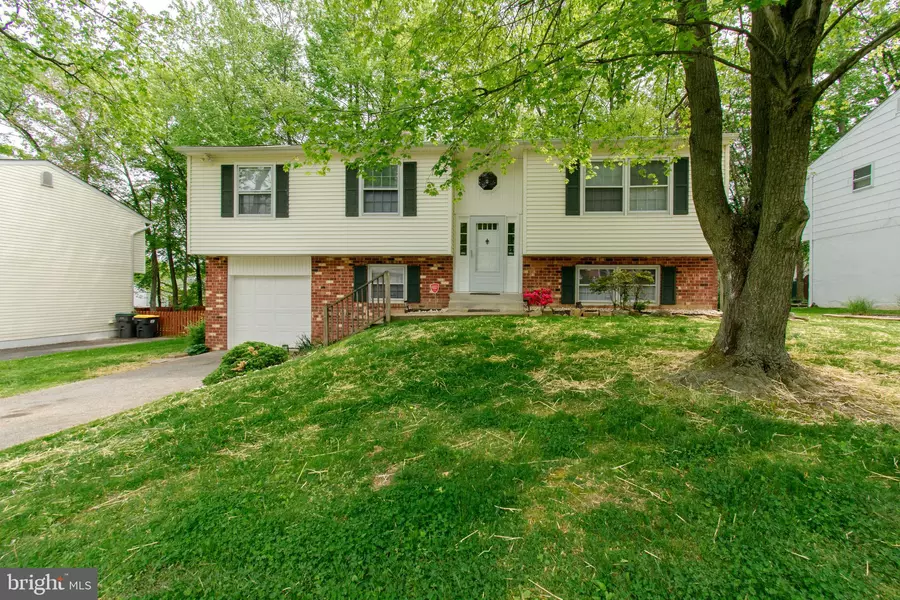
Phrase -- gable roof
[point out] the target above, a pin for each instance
(78, 180)
(892, 102)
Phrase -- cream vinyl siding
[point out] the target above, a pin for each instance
(549, 231)
(317, 223)
(67, 257)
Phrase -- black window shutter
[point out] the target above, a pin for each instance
(282, 182)
(227, 190)
(667, 291)
(573, 190)
(413, 277)
(351, 191)
(360, 277)
(682, 186)
(568, 285)
(409, 189)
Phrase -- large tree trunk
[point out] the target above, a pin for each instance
(756, 245)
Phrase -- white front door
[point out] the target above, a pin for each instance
(487, 260)
(275, 310)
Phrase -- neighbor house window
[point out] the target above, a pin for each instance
(862, 177)
(649, 187)
(255, 187)
(398, 282)
(648, 292)
(381, 190)
(604, 192)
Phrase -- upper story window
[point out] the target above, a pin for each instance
(255, 187)
(628, 188)
(649, 187)
(862, 177)
(604, 192)
(381, 190)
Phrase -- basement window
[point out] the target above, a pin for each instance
(398, 282)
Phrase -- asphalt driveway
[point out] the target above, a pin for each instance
(35, 414)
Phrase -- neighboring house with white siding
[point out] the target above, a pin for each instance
(281, 243)
(68, 255)
(853, 195)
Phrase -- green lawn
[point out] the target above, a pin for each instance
(496, 457)
(27, 374)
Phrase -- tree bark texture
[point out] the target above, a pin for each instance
(756, 245)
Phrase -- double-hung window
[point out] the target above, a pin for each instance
(649, 187)
(628, 187)
(381, 191)
(256, 188)
(862, 177)
(398, 282)
(647, 292)
(605, 191)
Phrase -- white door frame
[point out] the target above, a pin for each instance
(473, 251)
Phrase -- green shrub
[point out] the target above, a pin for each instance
(624, 287)
(195, 349)
(196, 333)
(246, 357)
(860, 306)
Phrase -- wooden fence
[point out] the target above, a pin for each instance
(173, 321)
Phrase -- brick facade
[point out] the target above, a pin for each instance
(332, 279)
(696, 279)
(217, 302)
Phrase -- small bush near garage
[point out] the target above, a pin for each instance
(196, 333)
(247, 357)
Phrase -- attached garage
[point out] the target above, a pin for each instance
(269, 299)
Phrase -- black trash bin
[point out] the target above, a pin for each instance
(147, 326)
(125, 325)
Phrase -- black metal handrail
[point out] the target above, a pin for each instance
(357, 311)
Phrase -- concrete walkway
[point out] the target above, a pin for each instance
(35, 414)
(29, 351)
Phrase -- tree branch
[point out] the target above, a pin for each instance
(839, 18)
(753, 39)
(851, 60)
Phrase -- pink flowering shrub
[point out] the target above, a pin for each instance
(541, 297)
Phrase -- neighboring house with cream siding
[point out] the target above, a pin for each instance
(853, 195)
(281, 243)
(68, 255)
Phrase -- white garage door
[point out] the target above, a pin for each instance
(275, 310)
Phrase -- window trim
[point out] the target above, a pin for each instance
(584, 188)
(362, 195)
(656, 268)
(237, 191)
(626, 188)
(381, 268)
(854, 179)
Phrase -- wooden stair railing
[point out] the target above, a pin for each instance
(357, 311)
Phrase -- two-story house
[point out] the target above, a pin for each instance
(853, 195)
(280, 245)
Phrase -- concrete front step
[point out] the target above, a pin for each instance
(506, 303)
